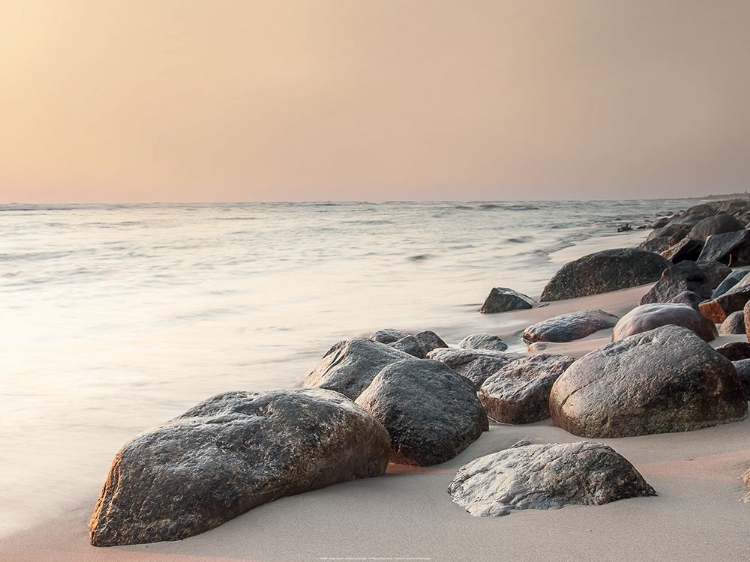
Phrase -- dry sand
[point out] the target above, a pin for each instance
(408, 515)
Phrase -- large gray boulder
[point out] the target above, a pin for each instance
(431, 412)
(474, 364)
(735, 350)
(232, 453)
(649, 316)
(732, 248)
(699, 278)
(608, 270)
(502, 299)
(388, 335)
(546, 476)
(688, 298)
(483, 341)
(519, 392)
(570, 326)
(718, 224)
(350, 366)
(662, 381)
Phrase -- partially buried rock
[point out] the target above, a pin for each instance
(649, 316)
(734, 324)
(483, 341)
(730, 281)
(732, 248)
(688, 298)
(733, 300)
(431, 412)
(474, 364)
(419, 345)
(502, 299)
(546, 476)
(229, 454)
(350, 366)
(519, 392)
(570, 326)
(661, 381)
(605, 271)
(743, 372)
(699, 278)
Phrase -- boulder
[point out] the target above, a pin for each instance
(743, 372)
(601, 272)
(694, 215)
(661, 222)
(689, 298)
(729, 281)
(519, 392)
(700, 278)
(419, 345)
(502, 299)
(649, 316)
(350, 366)
(718, 224)
(431, 412)
(685, 249)
(388, 335)
(546, 476)
(735, 350)
(474, 364)
(661, 381)
(732, 248)
(229, 454)
(734, 324)
(483, 341)
(733, 300)
(570, 326)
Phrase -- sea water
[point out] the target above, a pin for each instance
(118, 318)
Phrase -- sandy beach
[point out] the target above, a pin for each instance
(408, 515)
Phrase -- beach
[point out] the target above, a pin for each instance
(407, 514)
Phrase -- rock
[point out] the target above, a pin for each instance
(388, 335)
(570, 326)
(604, 271)
(544, 477)
(474, 364)
(661, 381)
(689, 298)
(718, 224)
(502, 299)
(734, 324)
(729, 281)
(735, 350)
(732, 248)
(743, 372)
(746, 479)
(719, 308)
(350, 366)
(656, 245)
(649, 316)
(419, 345)
(700, 278)
(229, 454)
(661, 222)
(430, 412)
(519, 392)
(746, 313)
(686, 249)
(483, 341)
(662, 239)
(694, 215)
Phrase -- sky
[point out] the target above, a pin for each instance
(303, 100)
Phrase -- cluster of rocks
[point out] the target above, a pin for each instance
(411, 399)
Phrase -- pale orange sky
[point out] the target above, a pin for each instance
(243, 100)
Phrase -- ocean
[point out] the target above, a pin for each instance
(119, 317)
